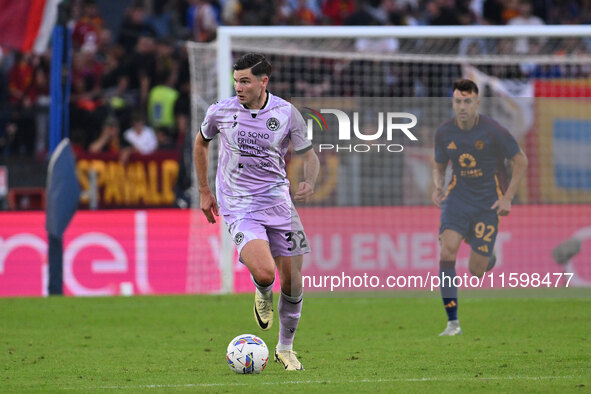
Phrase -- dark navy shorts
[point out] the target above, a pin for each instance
(478, 226)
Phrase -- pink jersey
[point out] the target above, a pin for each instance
(251, 166)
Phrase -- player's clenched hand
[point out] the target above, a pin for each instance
(305, 191)
(437, 196)
(209, 206)
(503, 206)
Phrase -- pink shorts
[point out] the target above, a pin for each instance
(280, 226)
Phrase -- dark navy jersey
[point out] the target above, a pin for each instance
(478, 160)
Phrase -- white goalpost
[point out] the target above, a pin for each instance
(411, 64)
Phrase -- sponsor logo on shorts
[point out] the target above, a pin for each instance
(238, 238)
(483, 248)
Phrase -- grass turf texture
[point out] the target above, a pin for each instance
(178, 343)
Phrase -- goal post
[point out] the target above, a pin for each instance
(227, 35)
(539, 74)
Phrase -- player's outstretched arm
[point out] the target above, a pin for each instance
(311, 169)
(503, 205)
(438, 179)
(207, 199)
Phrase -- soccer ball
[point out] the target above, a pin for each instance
(247, 353)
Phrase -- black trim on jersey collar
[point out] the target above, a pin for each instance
(299, 152)
(264, 104)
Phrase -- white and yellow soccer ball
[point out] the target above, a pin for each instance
(247, 354)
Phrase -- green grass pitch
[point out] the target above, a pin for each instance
(512, 342)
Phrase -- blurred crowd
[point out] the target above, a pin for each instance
(130, 89)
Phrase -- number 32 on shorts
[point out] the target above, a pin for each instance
(484, 231)
(296, 238)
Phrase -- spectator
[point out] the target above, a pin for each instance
(87, 73)
(256, 12)
(86, 95)
(316, 82)
(182, 112)
(506, 47)
(231, 13)
(466, 15)
(42, 102)
(89, 26)
(336, 11)
(304, 14)
(3, 99)
(114, 80)
(20, 80)
(165, 141)
(525, 17)
(104, 44)
(141, 138)
(134, 26)
(166, 59)
(283, 13)
(161, 18)
(492, 12)
(22, 95)
(114, 86)
(182, 107)
(510, 10)
(396, 12)
(161, 102)
(443, 13)
(368, 13)
(108, 141)
(141, 69)
(568, 12)
(204, 20)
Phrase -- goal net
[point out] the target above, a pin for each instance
(372, 213)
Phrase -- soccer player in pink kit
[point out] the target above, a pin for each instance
(252, 191)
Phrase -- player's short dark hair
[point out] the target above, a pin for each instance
(257, 62)
(465, 85)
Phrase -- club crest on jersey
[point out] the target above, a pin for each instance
(239, 238)
(479, 145)
(272, 124)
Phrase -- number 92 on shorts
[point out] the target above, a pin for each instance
(478, 226)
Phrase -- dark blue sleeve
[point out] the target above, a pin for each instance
(506, 142)
(440, 152)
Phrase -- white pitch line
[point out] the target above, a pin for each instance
(230, 384)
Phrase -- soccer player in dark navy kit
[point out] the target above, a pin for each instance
(477, 195)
